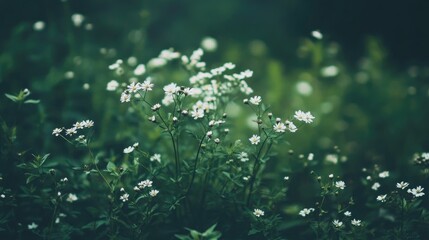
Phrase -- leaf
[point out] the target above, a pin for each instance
(32, 101)
(111, 167)
(11, 97)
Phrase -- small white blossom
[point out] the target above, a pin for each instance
(39, 26)
(382, 198)
(243, 156)
(306, 211)
(71, 131)
(112, 85)
(135, 145)
(279, 127)
(310, 157)
(147, 85)
(140, 70)
(417, 192)
(316, 34)
(375, 186)
(155, 157)
(258, 212)
(57, 131)
(129, 149)
(145, 183)
(340, 184)
(255, 100)
(125, 97)
(255, 139)
(153, 192)
(156, 107)
(124, 197)
(337, 223)
(71, 198)
(32, 226)
(77, 19)
(197, 113)
(171, 89)
(290, 126)
(384, 174)
(2, 196)
(347, 213)
(356, 222)
(303, 117)
(402, 185)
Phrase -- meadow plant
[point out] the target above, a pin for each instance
(184, 168)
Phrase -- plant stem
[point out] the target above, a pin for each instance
(256, 166)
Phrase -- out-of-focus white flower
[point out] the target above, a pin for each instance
(384, 174)
(129, 149)
(347, 213)
(124, 197)
(317, 34)
(171, 89)
(340, 184)
(156, 62)
(140, 70)
(382, 198)
(153, 192)
(32, 226)
(243, 156)
(337, 223)
(71, 198)
(197, 113)
(375, 186)
(77, 19)
(112, 85)
(57, 131)
(155, 157)
(304, 88)
(209, 44)
(329, 71)
(39, 26)
(356, 223)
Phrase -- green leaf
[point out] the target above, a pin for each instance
(111, 167)
(11, 97)
(32, 101)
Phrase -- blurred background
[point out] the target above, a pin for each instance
(365, 79)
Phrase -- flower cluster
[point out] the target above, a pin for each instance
(73, 130)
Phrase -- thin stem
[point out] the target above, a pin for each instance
(195, 164)
(256, 166)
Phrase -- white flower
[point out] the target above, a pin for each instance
(402, 185)
(317, 34)
(39, 26)
(337, 223)
(306, 211)
(112, 85)
(384, 174)
(375, 186)
(57, 131)
(3, 196)
(197, 113)
(135, 145)
(156, 107)
(303, 117)
(333, 158)
(255, 100)
(258, 212)
(140, 70)
(347, 213)
(209, 44)
(155, 157)
(77, 19)
(147, 85)
(71, 131)
(310, 157)
(171, 89)
(340, 184)
(290, 126)
(145, 183)
(356, 222)
(329, 71)
(32, 226)
(71, 198)
(279, 127)
(382, 198)
(125, 97)
(243, 157)
(417, 192)
(64, 180)
(124, 197)
(133, 87)
(255, 139)
(153, 192)
(129, 149)
(87, 123)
